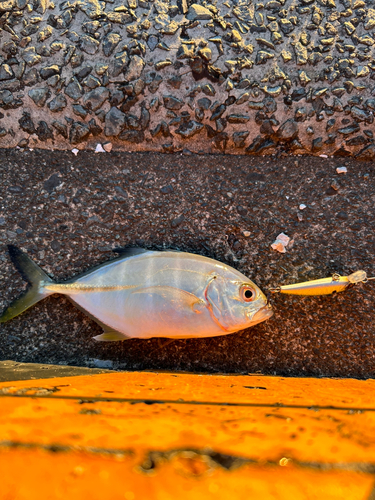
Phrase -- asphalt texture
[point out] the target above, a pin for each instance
(69, 212)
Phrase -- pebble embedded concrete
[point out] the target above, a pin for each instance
(162, 75)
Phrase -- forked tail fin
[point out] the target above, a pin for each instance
(34, 276)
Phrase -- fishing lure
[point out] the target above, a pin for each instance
(324, 286)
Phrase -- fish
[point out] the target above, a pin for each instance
(324, 286)
(145, 294)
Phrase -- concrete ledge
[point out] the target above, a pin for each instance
(209, 76)
(160, 435)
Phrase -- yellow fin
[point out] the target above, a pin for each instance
(110, 336)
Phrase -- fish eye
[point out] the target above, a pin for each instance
(247, 293)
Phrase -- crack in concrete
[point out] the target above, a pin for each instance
(46, 394)
(208, 458)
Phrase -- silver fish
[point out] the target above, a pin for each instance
(144, 294)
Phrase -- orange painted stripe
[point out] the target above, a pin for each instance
(173, 435)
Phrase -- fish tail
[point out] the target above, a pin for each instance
(36, 278)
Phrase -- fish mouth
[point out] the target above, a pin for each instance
(263, 314)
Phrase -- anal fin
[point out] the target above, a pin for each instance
(111, 336)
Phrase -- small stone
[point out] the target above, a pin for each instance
(31, 77)
(282, 241)
(101, 68)
(89, 45)
(341, 170)
(39, 95)
(92, 82)
(78, 132)
(163, 64)
(26, 123)
(239, 138)
(92, 8)
(74, 89)
(218, 111)
(301, 53)
(61, 128)
(358, 114)
(287, 131)
(107, 146)
(204, 103)
(52, 183)
(342, 215)
(302, 206)
(57, 104)
(167, 189)
(114, 122)
(30, 56)
(110, 42)
(99, 149)
(95, 129)
(189, 129)
(79, 110)
(6, 97)
(246, 234)
(185, 51)
(198, 12)
(208, 89)
(96, 98)
(172, 103)
(6, 72)
(134, 69)
(43, 131)
(45, 33)
(243, 98)
(152, 42)
(133, 136)
(317, 144)
(119, 63)
(350, 129)
(238, 118)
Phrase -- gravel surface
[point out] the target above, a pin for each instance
(235, 75)
(68, 213)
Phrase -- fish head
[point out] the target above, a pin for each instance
(235, 304)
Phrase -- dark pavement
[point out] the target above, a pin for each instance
(69, 212)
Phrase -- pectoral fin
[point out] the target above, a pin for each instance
(175, 296)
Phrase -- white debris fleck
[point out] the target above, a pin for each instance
(302, 206)
(246, 233)
(323, 156)
(280, 243)
(75, 151)
(107, 146)
(99, 149)
(341, 170)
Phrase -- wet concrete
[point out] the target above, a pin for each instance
(69, 212)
